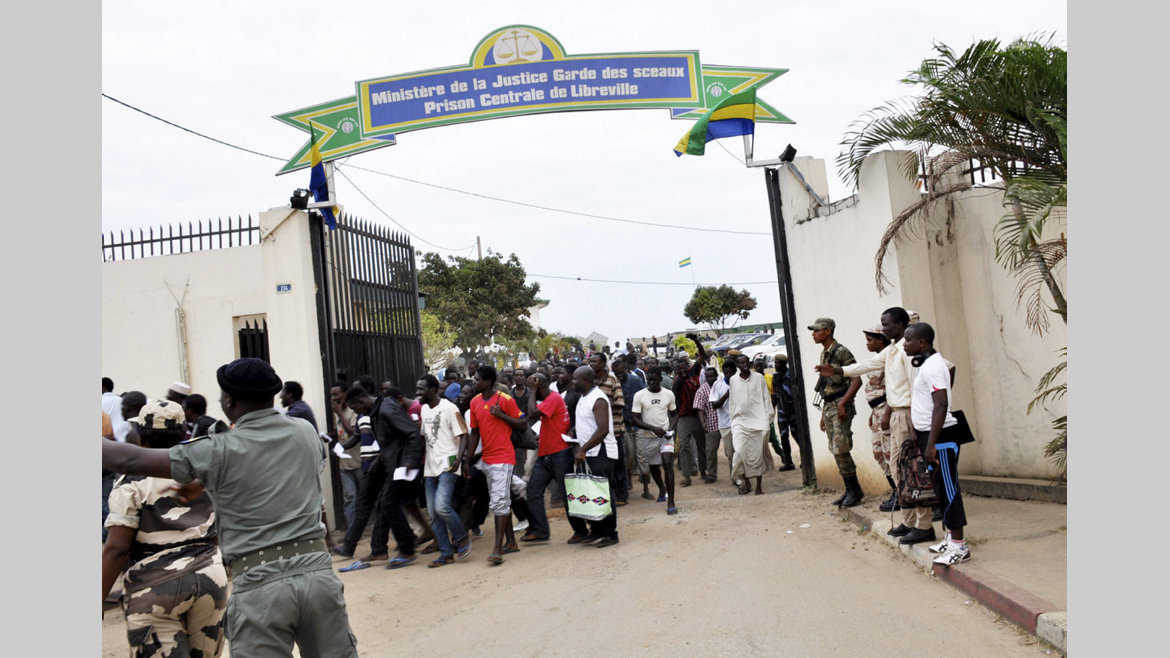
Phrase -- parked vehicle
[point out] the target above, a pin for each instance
(768, 347)
(723, 340)
(744, 340)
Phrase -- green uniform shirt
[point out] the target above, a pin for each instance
(263, 476)
(840, 356)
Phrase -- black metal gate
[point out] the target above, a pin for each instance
(372, 304)
(367, 311)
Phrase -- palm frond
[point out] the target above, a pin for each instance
(1046, 388)
(911, 222)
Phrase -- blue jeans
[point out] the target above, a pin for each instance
(548, 469)
(350, 483)
(444, 519)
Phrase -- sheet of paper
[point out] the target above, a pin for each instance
(404, 473)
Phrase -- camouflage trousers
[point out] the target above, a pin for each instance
(840, 432)
(881, 450)
(179, 617)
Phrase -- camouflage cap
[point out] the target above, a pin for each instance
(913, 316)
(780, 356)
(161, 415)
(823, 323)
(875, 330)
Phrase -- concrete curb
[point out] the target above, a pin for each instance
(1028, 611)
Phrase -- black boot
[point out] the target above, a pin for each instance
(891, 503)
(853, 493)
(840, 499)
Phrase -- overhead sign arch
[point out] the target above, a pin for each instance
(518, 70)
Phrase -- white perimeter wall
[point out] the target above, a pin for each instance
(140, 345)
(949, 276)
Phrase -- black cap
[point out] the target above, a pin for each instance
(248, 378)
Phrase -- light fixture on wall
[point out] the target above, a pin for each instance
(788, 154)
(299, 199)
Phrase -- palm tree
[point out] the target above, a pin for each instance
(1005, 108)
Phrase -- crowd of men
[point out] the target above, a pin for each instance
(481, 441)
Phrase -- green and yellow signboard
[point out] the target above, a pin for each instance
(518, 70)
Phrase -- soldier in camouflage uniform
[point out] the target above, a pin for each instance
(837, 410)
(879, 416)
(176, 588)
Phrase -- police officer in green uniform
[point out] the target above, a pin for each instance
(263, 476)
(837, 410)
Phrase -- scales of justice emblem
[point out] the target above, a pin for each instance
(517, 46)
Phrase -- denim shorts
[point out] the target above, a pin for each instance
(499, 478)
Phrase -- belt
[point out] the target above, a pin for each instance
(876, 402)
(268, 554)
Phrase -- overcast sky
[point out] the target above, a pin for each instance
(223, 69)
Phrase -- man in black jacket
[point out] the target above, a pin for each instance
(402, 456)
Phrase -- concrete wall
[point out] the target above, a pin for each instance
(947, 274)
(140, 344)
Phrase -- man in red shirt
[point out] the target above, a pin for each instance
(494, 416)
(554, 458)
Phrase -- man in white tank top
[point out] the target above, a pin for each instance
(597, 448)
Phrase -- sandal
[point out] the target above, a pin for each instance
(398, 562)
(576, 539)
(463, 549)
(672, 510)
(495, 558)
(531, 538)
(440, 562)
(509, 549)
(745, 489)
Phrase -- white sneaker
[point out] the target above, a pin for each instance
(520, 527)
(941, 547)
(954, 556)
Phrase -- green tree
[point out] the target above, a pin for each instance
(715, 306)
(1005, 108)
(478, 300)
(437, 341)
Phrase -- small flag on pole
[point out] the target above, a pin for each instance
(318, 182)
(735, 115)
(685, 262)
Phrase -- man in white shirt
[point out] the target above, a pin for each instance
(445, 434)
(654, 414)
(112, 404)
(598, 448)
(720, 391)
(935, 430)
(751, 417)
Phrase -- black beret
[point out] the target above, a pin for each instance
(248, 377)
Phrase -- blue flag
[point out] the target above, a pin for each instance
(318, 184)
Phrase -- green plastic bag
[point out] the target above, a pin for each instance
(588, 495)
